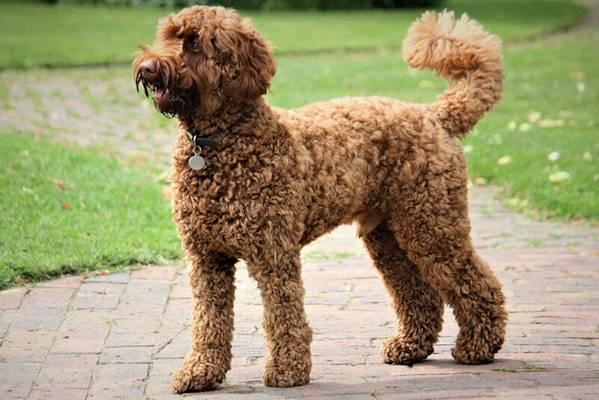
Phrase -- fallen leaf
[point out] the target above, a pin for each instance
(59, 184)
(167, 193)
(137, 159)
(551, 123)
(480, 181)
(534, 117)
(559, 176)
(524, 127)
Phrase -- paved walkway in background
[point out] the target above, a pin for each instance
(122, 335)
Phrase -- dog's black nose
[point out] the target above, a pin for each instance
(148, 69)
(148, 66)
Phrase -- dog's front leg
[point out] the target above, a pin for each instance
(212, 285)
(288, 335)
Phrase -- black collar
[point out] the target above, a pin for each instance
(198, 140)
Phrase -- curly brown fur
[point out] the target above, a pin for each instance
(278, 179)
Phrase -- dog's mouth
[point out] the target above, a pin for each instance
(163, 85)
(161, 93)
(159, 89)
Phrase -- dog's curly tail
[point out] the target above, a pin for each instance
(467, 56)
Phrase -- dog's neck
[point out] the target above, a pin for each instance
(224, 129)
(224, 121)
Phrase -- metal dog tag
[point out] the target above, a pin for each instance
(196, 162)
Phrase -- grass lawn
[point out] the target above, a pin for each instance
(68, 210)
(40, 35)
(541, 146)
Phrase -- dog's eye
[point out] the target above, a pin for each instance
(191, 43)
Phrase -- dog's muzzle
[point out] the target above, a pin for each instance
(158, 78)
(168, 100)
(150, 78)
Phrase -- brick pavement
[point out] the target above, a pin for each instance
(122, 335)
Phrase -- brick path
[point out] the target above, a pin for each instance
(122, 335)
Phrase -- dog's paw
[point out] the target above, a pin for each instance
(477, 344)
(399, 350)
(475, 350)
(473, 356)
(280, 376)
(196, 376)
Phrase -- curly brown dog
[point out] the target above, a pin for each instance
(256, 183)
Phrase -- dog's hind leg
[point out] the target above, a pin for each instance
(288, 335)
(418, 306)
(437, 238)
(212, 284)
(469, 286)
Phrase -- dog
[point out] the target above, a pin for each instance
(256, 183)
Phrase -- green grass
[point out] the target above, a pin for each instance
(34, 35)
(67, 210)
(39, 35)
(550, 108)
(322, 255)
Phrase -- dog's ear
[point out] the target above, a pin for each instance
(248, 64)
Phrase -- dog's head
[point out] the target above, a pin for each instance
(203, 57)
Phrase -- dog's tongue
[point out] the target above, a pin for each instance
(159, 93)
